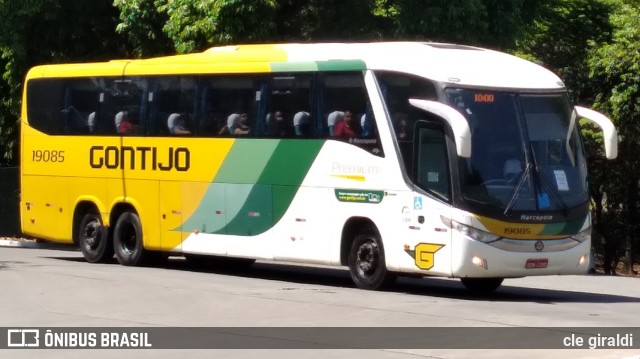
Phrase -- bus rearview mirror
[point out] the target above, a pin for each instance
(609, 132)
(455, 119)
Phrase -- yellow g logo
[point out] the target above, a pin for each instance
(425, 254)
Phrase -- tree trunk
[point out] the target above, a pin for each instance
(628, 255)
(632, 210)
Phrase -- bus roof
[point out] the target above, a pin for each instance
(446, 63)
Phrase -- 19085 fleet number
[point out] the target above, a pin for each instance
(47, 156)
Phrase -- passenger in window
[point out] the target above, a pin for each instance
(224, 130)
(243, 127)
(348, 127)
(232, 120)
(128, 123)
(177, 124)
(277, 125)
(237, 124)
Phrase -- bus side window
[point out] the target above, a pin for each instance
(44, 104)
(397, 88)
(80, 101)
(431, 160)
(285, 106)
(63, 107)
(344, 95)
(223, 102)
(128, 97)
(172, 95)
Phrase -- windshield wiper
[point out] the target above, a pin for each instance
(516, 191)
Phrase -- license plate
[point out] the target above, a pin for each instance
(536, 263)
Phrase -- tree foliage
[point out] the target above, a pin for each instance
(190, 25)
(560, 36)
(615, 69)
(44, 31)
(195, 25)
(143, 24)
(492, 23)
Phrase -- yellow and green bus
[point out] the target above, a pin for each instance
(390, 158)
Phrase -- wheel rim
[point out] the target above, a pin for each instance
(367, 259)
(129, 238)
(90, 235)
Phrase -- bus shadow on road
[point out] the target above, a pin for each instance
(448, 288)
(422, 286)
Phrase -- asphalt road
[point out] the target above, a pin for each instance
(57, 288)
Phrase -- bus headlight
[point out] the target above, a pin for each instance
(473, 233)
(582, 235)
(582, 260)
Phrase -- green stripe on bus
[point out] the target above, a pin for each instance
(290, 162)
(232, 186)
(575, 225)
(331, 65)
(341, 65)
(287, 169)
(569, 228)
(254, 200)
(294, 66)
(275, 189)
(253, 216)
(245, 161)
(206, 218)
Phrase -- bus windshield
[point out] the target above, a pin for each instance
(527, 154)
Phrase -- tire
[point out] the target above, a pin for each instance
(93, 239)
(127, 240)
(367, 262)
(482, 285)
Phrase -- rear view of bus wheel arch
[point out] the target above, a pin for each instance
(93, 239)
(367, 262)
(127, 239)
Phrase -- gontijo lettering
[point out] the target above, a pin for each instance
(140, 158)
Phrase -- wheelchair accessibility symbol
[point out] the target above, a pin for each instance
(417, 202)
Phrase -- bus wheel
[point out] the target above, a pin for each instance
(93, 239)
(367, 264)
(482, 285)
(127, 240)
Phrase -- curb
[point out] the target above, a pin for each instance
(18, 243)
